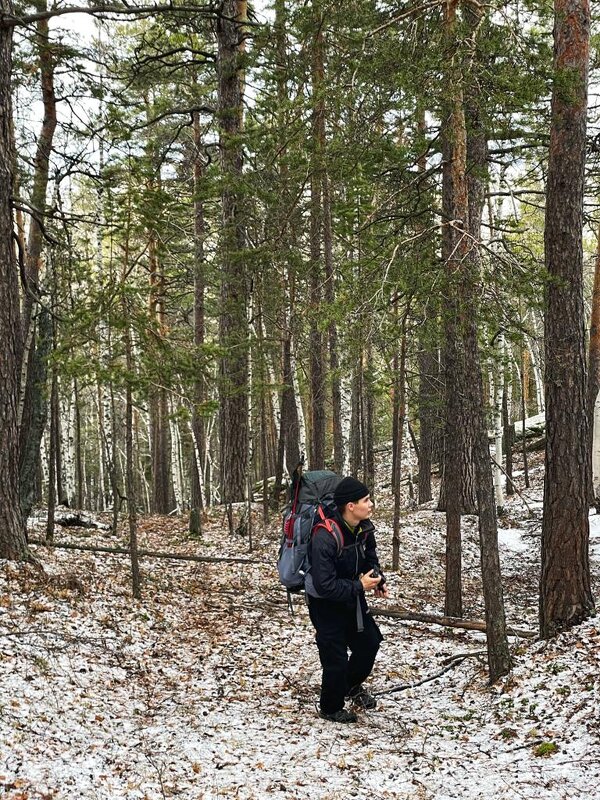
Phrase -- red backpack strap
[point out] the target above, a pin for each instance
(295, 501)
(331, 526)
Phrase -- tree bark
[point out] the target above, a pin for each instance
(356, 456)
(454, 209)
(429, 398)
(594, 347)
(499, 661)
(334, 365)
(160, 454)
(565, 592)
(13, 543)
(289, 411)
(400, 414)
(33, 370)
(233, 323)
(37, 414)
(78, 446)
(288, 445)
(368, 406)
(593, 385)
(52, 460)
(158, 401)
(129, 469)
(429, 405)
(60, 483)
(197, 493)
(523, 375)
(462, 266)
(509, 438)
(42, 162)
(317, 361)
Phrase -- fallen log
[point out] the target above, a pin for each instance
(446, 622)
(76, 519)
(147, 553)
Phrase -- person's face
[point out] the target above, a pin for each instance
(361, 509)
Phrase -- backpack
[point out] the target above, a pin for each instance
(310, 491)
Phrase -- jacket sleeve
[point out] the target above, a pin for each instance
(371, 559)
(324, 573)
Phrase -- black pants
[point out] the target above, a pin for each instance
(337, 633)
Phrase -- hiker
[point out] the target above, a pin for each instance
(336, 589)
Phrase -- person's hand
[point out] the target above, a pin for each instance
(369, 581)
(382, 591)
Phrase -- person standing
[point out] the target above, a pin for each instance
(336, 588)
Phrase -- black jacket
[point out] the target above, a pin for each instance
(337, 578)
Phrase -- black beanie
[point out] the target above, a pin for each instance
(349, 490)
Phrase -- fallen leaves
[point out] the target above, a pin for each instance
(207, 688)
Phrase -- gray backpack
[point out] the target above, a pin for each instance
(310, 491)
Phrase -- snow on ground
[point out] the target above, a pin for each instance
(206, 688)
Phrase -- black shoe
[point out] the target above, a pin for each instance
(340, 716)
(362, 699)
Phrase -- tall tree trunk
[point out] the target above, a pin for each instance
(334, 365)
(458, 477)
(499, 662)
(78, 446)
(368, 405)
(429, 405)
(594, 348)
(289, 411)
(455, 210)
(130, 480)
(160, 451)
(400, 411)
(177, 501)
(33, 396)
(509, 436)
(13, 544)
(356, 453)
(523, 376)
(565, 593)
(317, 360)
(534, 361)
(463, 268)
(60, 491)
(42, 162)
(129, 453)
(52, 461)
(288, 450)
(68, 446)
(233, 324)
(37, 414)
(593, 385)
(158, 402)
(198, 498)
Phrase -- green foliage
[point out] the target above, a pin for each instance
(546, 749)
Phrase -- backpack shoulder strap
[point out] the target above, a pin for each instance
(331, 526)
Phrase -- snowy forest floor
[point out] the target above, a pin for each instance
(207, 687)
